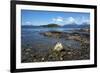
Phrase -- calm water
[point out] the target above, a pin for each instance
(31, 38)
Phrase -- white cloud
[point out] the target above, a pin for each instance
(84, 20)
(58, 19)
(70, 20)
(28, 23)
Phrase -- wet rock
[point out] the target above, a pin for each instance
(69, 53)
(55, 34)
(42, 59)
(34, 60)
(61, 58)
(26, 53)
(28, 50)
(75, 38)
(47, 34)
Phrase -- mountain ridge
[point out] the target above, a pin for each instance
(57, 25)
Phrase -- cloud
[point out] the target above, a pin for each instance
(28, 23)
(84, 20)
(70, 20)
(58, 19)
(80, 20)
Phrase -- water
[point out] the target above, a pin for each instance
(31, 38)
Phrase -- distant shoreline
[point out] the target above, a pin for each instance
(57, 25)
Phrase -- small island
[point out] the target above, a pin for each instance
(51, 25)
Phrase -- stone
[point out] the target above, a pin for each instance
(47, 33)
(61, 58)
(69, 53)
(28, 49)
(42, 59)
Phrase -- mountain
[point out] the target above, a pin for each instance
(28, 26)
(70, 26)
(76, 26)
(50, 25)
(83, 25)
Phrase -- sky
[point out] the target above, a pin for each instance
(37, 18)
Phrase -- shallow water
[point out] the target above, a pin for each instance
(31, 38)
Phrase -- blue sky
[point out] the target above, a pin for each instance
(36, 18)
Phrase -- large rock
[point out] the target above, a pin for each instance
(47, 34)
(55, 34)
(78, 38)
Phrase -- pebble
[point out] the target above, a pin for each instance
(61, 58)
(28, 49)
(69, 52)
(42, 59)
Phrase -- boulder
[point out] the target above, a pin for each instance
(47, 34)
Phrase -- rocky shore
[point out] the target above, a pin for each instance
(81, 35)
